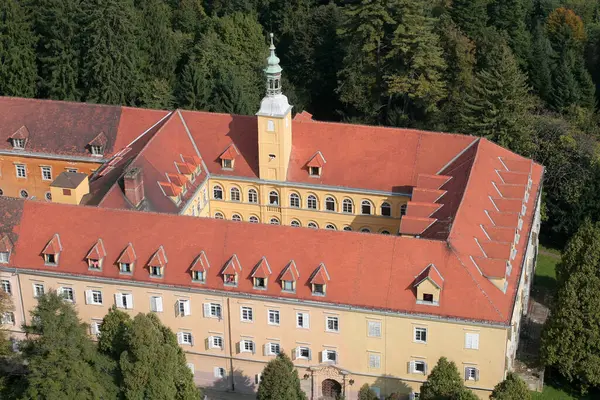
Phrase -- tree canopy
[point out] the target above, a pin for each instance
(280, 381)
(512, 388)
(445, 383)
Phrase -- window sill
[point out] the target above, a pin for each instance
(51, 264)
(330, 331)
(318, 294)
(156, 276)
(125, 273)
(198, 282)
(259, 288)
(95, 269)
(428, 303)
(230, 284)
(288, 291)
(226, 169)
(419, 342)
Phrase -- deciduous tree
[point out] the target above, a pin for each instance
(444, 382)
(279, 381)
(512, 388)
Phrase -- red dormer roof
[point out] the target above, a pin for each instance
(496, 249)
(432, 274)
(54, 246)
(317, 160)
(303, 116)
(511, 191)
(491, 267)
(422, 210)
(192, 160)
(177, 179)
(498, 233)
(170, 189)
(290, 272)
(262, 269)
(159, 259)
(320, 276)
(200, 263)
(21, 133)
(230, 153)
(435, 182)
(415, 225)
(508, 205)
(517, 165)
(232, 266)
(6, 244)
(514, 178)
(99, 140)
(423, 195)
(504, 219)
(97, 252)
(185, 168)
(128, 256)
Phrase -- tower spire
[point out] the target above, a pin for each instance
(273, 72)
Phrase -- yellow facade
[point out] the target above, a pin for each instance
(68, 195)
(274, 146)
(36, 182)
(370, 347)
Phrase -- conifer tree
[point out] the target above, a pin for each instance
(112, 58)
(194, 89)
(280, 381)
(497, 105)
(570, 340)
(61, 359)
(5, 306)
(416, 58)
(540, 69)
(228, 95)
(510, 16)
(470, 15)
(17, 55)
(56, 24)
(444, 382)
(512, 388)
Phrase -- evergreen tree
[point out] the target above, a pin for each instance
(194, 88)
(540, 68)
(564, 89)
(112, 57)
(280, 381)
(61, 359)
(5, 306)
(470, 15)
(228, 95)
(56, 25)
(157, 93)
(512, 388)
(571, 339)
(147, 346)
(497, 105)
(510, 16)
(416, 57)
(366, 393)
(444, 382)
(17, 55)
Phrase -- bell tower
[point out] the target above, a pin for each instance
(274, 125)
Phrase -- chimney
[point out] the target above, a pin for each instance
(134, 185)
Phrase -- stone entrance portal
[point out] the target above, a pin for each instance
(328, 382)
(330, 389)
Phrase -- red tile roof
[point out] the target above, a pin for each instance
(5, 243)
(53, 246)
(320, 276)
(317, 160)
(21, 133)
(414, 225)
(230, 153)
(431, 273)
(289, 273)
(159, 259)
(200, 263)
(97, 252)
(128, 255)
(262, 269)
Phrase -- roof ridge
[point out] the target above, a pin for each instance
(78, 103)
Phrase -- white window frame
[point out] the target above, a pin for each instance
(94, 297)
(295, 200)
(471, 374)
(472, 340)
(38, 289)
(21, 170)
(18, 144)
(156, 304)
(246, 314)
(252, 196)
(4, 256)
(325, 356)
(310, 199)
(272, 349)
(95, 327)
(216, 342)
(6, 286)
(219, 372)
(298, 353)
(124, 301)
(66, 289)
(213, 310)
(305, 320)
(347, 206)
(184, 307)
(335, 321)
(96, 150)
(46, 173)
(374, 361)
(237, 197)
(418, 332)
(374, 329)
(215, 187)
(413, 367)
(185, 338)
(247, 346)
(8, 318)
(276, 320)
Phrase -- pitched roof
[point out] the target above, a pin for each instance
(128, 255)
(290, 272)
(200, 263)
(232, 266)
(262, 269)
(69, 180)
(21, 133)
(317, 160)
(97, 252)
(5, 243)
(159, 259)
(320, 276)
(230, 153)
(432, 274)
(54, 246)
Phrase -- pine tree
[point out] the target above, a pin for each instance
(228, 95)
(510, 16)
(279, 381)
(498, 103)
(540, 71)
(61, 359)
(444, 382)
(470, 15)
(112, 57)
(570, 340)
(512, 388)
(416, 59)
(564, 89)
(55, 22)
(17, 55)
(194, 88)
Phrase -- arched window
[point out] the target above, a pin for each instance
(311, 202)
(347, 206)
(294, 200)
(274, 198)
(217, 192)
(295, 223)
(218, 215)
(384, 232)
(386, 209)
(312, 225)
(348, 228)
(331, 227)
(274, 221)
(252, 196)
(330, 203)
(403, 209)
(366, 207)
(234, 194)
(365, 230)
(253, 219)
(236, 217)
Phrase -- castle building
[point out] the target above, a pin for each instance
(365, 253)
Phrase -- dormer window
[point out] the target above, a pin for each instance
(227, 164)
(231, 271)
(94, 263)
(260, 283)
(314, 171)
(95, 256)
(126, 261)
(18, 144)
(156, 271)
(260, 274)
(228, 157)
(125, 268)
(230, 279)
(96, 150)
(5, 249)
(156, 265)
(318, 289)
(50, 259)
(288, 277)
(4, 257)
(288, 286)
(427, 298)
(428, 286)
(315, 164)
(198, 276)
(318, 281)
(51, 252)
(199, 268)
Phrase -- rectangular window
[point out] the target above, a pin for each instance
(273, 317)
(329, 356)
(50, 259)
(191, 367)
(66, 192)
(198, 276)
(418, 367)
(95, 327)
(227, 164)
(21, 171)
(3, 257)
(212, 310)
(38, 289)
(332, 324)
(374, 361)
(318, 289)
(472, 341)
(185, 338)
(183, 308)
(156, 304)
(247, 315)
(93, 297)
(96, 150)
(302, 320)
(46, 173)
(374, 328)
(18, 143)
(219, 372)
(6, 286)
(303, 353)
(247, 346)
(124, 300)
(67, 293)
(71, 169)
(125, 268)
(156, 271)
(471, 374)
(215, 342)
(8, 318)
(421, 335)
(288, 286)
(260, 283)
(314, 171)
(272, 349)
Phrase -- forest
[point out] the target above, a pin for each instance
(523, 73)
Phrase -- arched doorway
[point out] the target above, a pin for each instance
(331, 389)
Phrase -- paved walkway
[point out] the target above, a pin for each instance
(217, 395)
